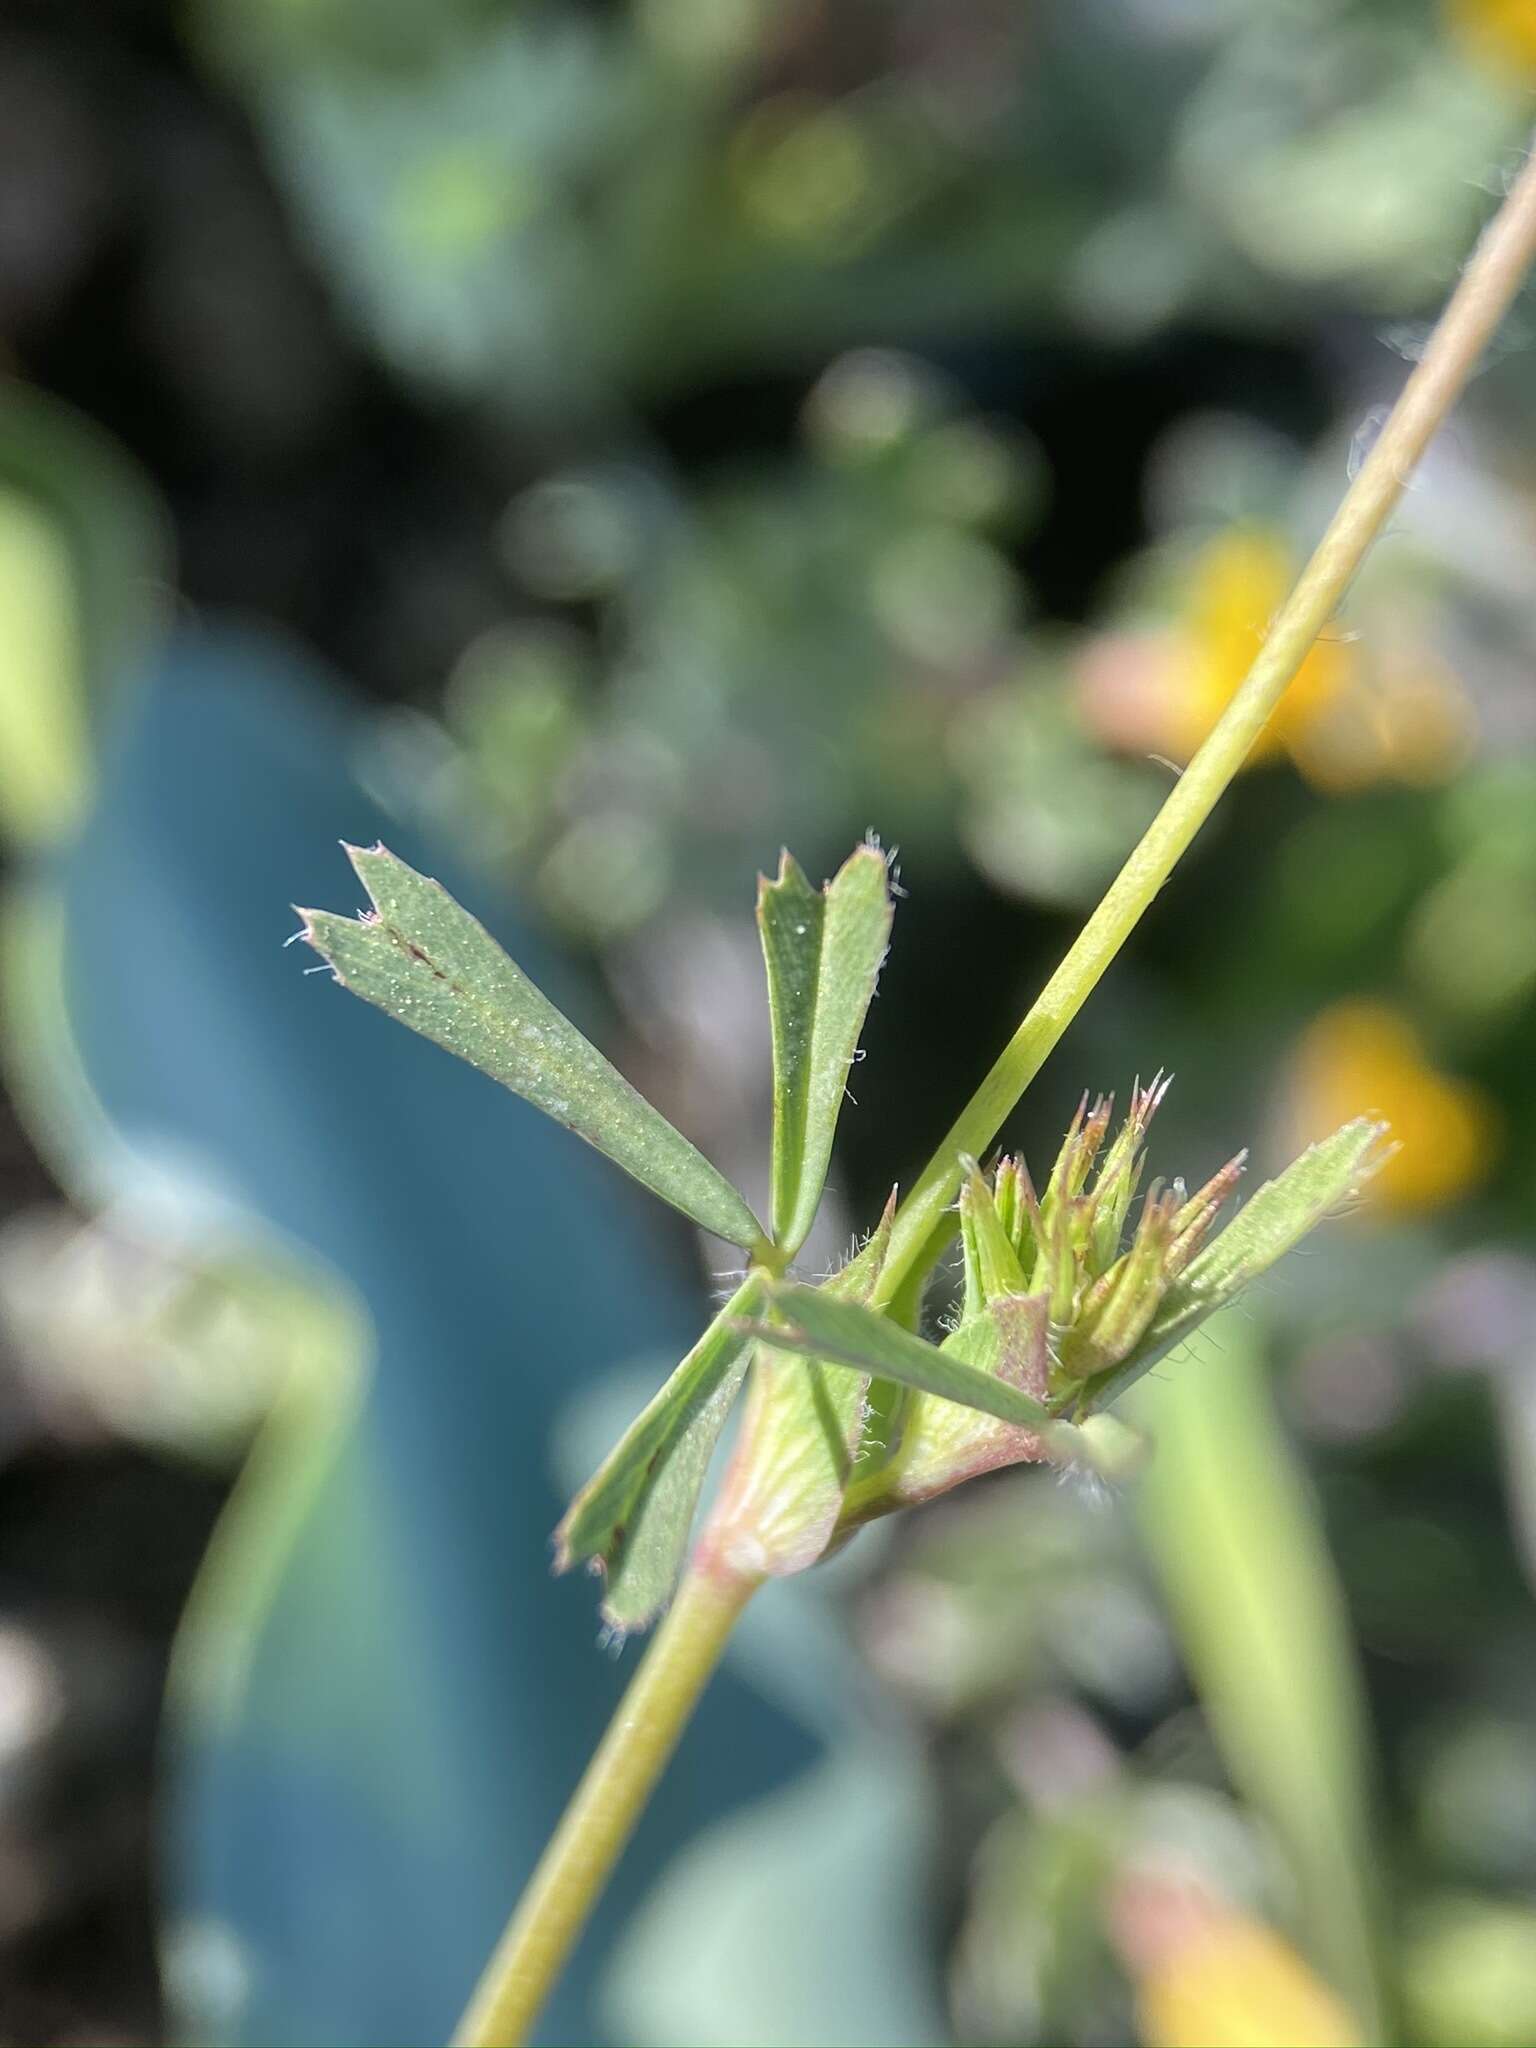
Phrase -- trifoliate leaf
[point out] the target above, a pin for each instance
(422, 957)
(634, 1515)
(823, 949)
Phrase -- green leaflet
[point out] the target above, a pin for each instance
(822, 949)
(1279, 1216)
(634, 1515)
(784, 1491)
(819, 1326)
(424, 959)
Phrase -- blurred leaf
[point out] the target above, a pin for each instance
(1372, 186)
(1233, 1534)
(634, 1515)
(1032, 1949)
(713, 1938)
(151, 1342)
(82, 567)
(1046, 814)
(823, 949)
(424, 959)
(43, 754)
(379, 1698)
(1469, 1971)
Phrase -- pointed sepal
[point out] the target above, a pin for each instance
(987, 1245)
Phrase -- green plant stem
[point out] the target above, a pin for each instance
(618, 1781)
(1487, 289)
(689, 1642)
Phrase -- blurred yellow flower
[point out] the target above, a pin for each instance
(1237, 1985)
(1237, 584)
(1363, 1058)
(1350, 719)
(1501, 30)
(1406, 720)
(1209, 1976)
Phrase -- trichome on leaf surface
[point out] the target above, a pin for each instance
(851, 1412)
(849, 1415)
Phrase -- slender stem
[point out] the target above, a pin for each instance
(1487, 289)
(688, 1645)
(597, 1824)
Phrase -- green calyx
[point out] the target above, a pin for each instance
(1120, 1293)
(1063, 1310)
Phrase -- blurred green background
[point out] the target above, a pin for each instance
(593, 443)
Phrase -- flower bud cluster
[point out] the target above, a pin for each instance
(1067, 1247)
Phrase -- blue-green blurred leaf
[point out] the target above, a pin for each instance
(367, 1755)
